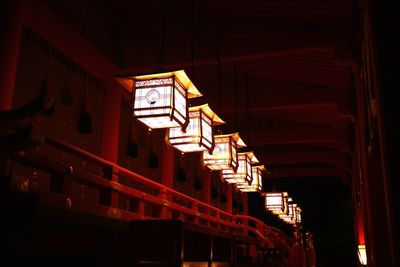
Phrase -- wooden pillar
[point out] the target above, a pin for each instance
(206, 192)
(111, 124)
(110, 135)
(228, 194)
(167, 176)
(245, 203)
(10, 35)
(167, 165)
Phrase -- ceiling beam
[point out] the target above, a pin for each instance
(308, 136)
(331, 157)
(230, 59)
(264, 102)
(305, 172)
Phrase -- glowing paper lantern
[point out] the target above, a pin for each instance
(198, 135)
(244, 172)
(256, 184)
(291, 216)
(362, 254)
(161, 100)
(298, 214)
(276, 202)
(224, 155)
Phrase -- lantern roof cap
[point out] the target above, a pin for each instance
(251, 155)
(209, 112)
(260, 167)
(127, 80)
(239, 141)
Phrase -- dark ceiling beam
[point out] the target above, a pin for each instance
(332, 157)
(262, 54)
(305, 172)
(294, 136)
(263, 102)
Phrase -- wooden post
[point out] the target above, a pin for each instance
(167, 177)
(110, 136)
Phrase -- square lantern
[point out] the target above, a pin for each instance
(198, 135)
(275, 202)
(243, 173)
(362, 254)
(286, 201)
(224, 155)
(291, 216)
(298, 214)
(256, 184)
(161, 100)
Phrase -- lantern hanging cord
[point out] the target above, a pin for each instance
(246, 80)
(235, 93)
(161, 53)
(86, 85)
(219, 74)
(193, 37)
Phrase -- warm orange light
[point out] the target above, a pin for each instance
(244, 172)
(362, 254)
(291, 216)
(198, 135)
(275, 202)
(161, 100)
(256, 184)
(224, 155)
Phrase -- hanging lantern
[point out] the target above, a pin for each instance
(276, 202)
(256, 184)
(224, 155)
(362, 254)
(298, 214)
(199, 132)
(291, 216)
(161, 100)
(244, 172)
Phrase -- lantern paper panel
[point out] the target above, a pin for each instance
(224, 155)
(198, 135)
(286, 201)
(362, 254)
(298, 214)
(291, 216)
(161, 100)
(256, 184)
(244, 172)
(275, 201)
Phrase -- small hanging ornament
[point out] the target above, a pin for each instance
(181, 170)
(132, 148)
(223, 198)
(214, 190)
(153, 158)
(197, 183)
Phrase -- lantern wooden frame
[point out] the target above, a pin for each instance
(275, 202)
(243, 174)
(160, 100)
(291, 217)
(362, 254)
(256, 184)
(225, 153)
(198, 136)
(298, 214)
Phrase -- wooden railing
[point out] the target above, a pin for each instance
(166, 202)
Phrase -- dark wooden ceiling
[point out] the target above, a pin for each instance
(286, 79)
(285, 71)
